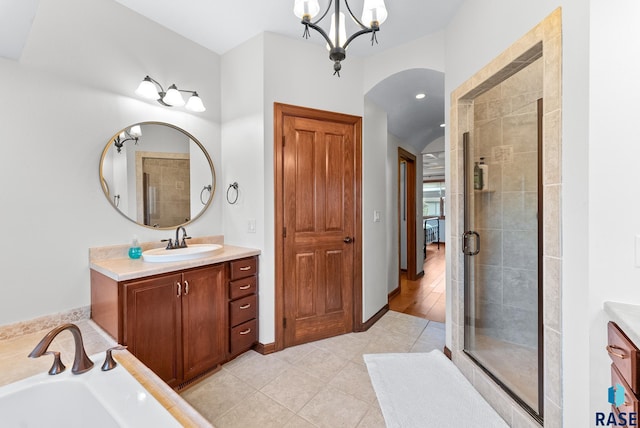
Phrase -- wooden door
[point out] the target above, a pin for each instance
(152, 325)
(319, 218)
(204, 301)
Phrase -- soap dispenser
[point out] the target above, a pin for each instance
(135, 251)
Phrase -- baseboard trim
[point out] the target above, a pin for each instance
(447, 352)
(394, 293)
(371, 321)
(265, 349)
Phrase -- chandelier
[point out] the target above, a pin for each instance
(374, 13)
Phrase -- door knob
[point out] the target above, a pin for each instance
(348, 240)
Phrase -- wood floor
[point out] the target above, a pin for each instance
(424, 298)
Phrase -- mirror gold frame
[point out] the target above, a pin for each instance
(135, 214)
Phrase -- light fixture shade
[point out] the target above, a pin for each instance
(309, 8)
(122, 135)
(374, 11)
(342, 33)
(135, 131)
(147, 89)
(194, 103)
(173, 97)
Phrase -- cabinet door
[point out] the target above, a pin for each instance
(203, 319)
(152, 325)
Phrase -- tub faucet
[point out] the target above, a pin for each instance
(81, 362)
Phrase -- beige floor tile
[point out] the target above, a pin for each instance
(334, 409)
(293, 388)
(217, 394)
(345, 346)
(322, 364)
(373, 418)
(298, 422)
(257, 372)
(256, 411)
(294, 353)
(354, 380)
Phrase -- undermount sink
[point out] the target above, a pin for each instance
(193, 251)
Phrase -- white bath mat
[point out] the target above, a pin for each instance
(427, 390)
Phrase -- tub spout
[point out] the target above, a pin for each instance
(81, 362)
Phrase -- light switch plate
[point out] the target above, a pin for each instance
(376, 216)
(251, 225)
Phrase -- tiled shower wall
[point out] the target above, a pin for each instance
(543, 40)
(506, 137)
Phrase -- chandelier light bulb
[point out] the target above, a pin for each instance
(173, 97)
(306, 8)
(342, 33)
(374, 13)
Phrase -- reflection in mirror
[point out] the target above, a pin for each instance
(157, 175)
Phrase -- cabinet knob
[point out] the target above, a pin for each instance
(179, 289)
(247, 331)
(247, 306)
(245, 287)
(245, 268)
(186, 288)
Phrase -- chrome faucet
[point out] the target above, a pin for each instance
(81, 362)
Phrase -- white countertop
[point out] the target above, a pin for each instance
(627, 316)
(122, 269)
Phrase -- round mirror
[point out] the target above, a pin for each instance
(157, 175)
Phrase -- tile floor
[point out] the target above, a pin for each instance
(318, 384)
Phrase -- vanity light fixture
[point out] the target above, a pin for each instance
(374, 13)
(133, 134)
(152, 90)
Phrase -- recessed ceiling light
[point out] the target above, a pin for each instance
(442, 125)
(420, 96)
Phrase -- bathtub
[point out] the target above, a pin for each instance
(94, 399)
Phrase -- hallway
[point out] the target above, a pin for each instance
(425, 297)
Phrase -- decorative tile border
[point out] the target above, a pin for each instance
(10, 331)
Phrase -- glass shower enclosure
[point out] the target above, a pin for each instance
(502, 250)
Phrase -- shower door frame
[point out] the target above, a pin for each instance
(468, 303)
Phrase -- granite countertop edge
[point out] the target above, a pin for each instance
(122, 269)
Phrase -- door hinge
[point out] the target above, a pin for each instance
(284, 322)
(284, 232)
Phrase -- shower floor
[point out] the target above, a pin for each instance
(515, 365)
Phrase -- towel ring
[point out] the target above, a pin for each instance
(207, 187)
(235, 187)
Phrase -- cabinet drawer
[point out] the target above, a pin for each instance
(242, 287)
(630, 401)
(242, 310)
(243, 268)
(242, 337)
(624, 355)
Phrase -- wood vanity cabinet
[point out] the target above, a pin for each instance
(185, 323)
(625, 358)
(175, 323)
(243, 305)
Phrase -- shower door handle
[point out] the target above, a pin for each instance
(465, 243)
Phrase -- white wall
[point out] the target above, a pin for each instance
(613, 152)
(374, 235)
(70, 92)
(480, 31)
